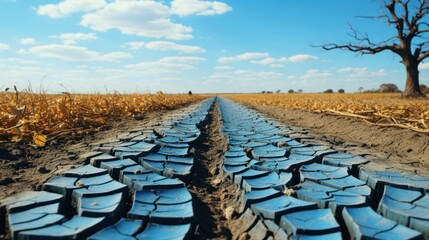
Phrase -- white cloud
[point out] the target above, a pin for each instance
(167, 65)
(240, 72)
(276, 65)
(242, 57)
(72, 38)
(158, 67)
(165, 46)
(183, 59)
(3, 46)
(424, 66)
(142, 18)
(302, 58)
(361, 72)
(170, 46)
(316, 74)
(273, 62)
(245, 75)
(346, 70)
(114, 56)
(266, 59)
(198, 7)
(74, 53)
(67, 7)
(134, 45)
(224, 68)
(18, 61)
(28, 41)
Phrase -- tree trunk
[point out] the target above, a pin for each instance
(412, 87)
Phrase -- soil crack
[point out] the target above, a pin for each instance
(210, 192)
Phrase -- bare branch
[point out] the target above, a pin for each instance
(423, 31)
(423, 23)
(423, 55)
(399, 22)
(406, 11)
(358, 48)
(421, 12)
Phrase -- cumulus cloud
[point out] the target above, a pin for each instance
(273, 62)
(148, 18)
(316, 74)
(170, 46)
(142, 18)
(224, 68)
(28, 41)
(244, 74)
(183, 59)
(134, 45)
(72, 38)
(361, 72)
(159, 67)
(243, 57)
(302, 58)
(67, 7)
(167, 65)
(165, 46)
(198, 7)
(74, 53)
(3, 46)
(266, 59)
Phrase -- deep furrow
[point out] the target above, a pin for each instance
(207, 187)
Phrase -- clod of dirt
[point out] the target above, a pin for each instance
(43, 170)
(217, 181)
(6, 181)
(229, 212)
(244, 236)
(139, 117)
(289, 191)
(79, 184)
(20, 165)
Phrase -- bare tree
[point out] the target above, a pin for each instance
(409, 18)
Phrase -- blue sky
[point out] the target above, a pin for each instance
(181, 45)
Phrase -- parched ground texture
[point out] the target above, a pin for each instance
(216, 201)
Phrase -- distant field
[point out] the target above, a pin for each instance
(381, 109)
(34, 117)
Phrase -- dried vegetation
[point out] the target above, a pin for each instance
(39, 117)
(379, 109)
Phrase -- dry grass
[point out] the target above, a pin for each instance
(37, 117)
(380, 109)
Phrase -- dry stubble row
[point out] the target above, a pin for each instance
(38, 117)
(380, 109)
